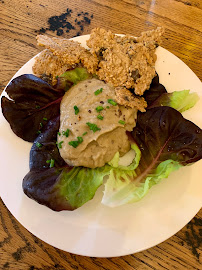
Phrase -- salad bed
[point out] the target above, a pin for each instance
(162, 140)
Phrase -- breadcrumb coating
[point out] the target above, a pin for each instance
(62, 54)
(50, 65)
(122, 61)
(126, 61)
(126, 98)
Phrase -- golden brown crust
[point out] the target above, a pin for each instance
(49, 64)
(60, 55)
(126, 98)
(124, 62)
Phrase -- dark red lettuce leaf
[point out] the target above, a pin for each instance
(162, 133)
(180, 100)
(45, 148)
(42, 186)
(41, 182)
(155, 91)
(60, 187)
(32, 103)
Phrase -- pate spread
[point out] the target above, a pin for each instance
(96, 124)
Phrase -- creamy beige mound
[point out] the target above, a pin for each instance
(99, 147)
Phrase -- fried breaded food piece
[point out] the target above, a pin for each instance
(60, 55)
(126, 98)
(50, 65)
(125, 61)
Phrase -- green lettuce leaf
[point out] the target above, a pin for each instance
(179, 100)
(79, 185)
(183, 100)
(157, 95)
(65, 188)
(114, 163)
(121, 188)
(72, 77)
(167, 142)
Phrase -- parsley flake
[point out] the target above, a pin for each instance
(100, 117)
(121, 122)
(66, 133)
(76, 109)
(76, 143)
(93, 127)
(97, 92)
(38, 144)
(80, 139)
(51, 162)
(84, 133)
(112, 102)
(59, 144)
(99, 108)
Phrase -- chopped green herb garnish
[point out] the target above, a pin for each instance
(84, 133)
(97, 92)
(80, 139)
(66, 133)
(99, 108)
(112, 102)
(76, 143)
(121, 122)
(51, 162)
(38, 107)
(39, 131)
(59, 133)
(93, 127)
(45, 119)
(76, 109)
(38, 144)
(100, 117)
(107, 107)
(41, 125)
(59, 144)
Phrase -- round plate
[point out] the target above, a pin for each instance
(94, 229)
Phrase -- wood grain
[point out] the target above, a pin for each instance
(19, 249)
(20, 21)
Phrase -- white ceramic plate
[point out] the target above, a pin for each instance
(94, 229)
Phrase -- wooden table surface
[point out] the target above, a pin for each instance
(20, 21)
